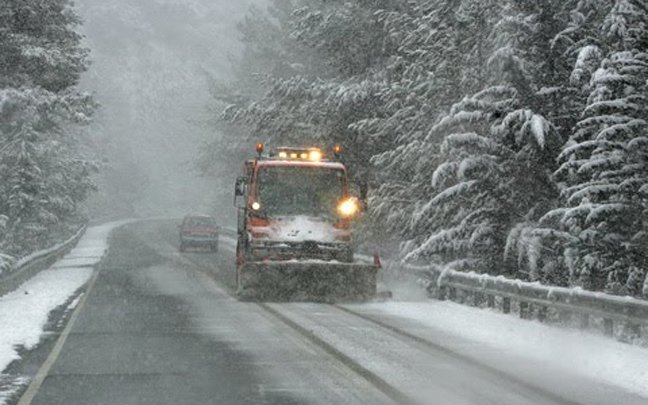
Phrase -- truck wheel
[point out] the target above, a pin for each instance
(346, 256)
(247, 295)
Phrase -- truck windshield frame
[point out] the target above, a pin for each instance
(297, 190)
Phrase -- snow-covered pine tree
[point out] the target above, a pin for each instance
(500, 115)
(605, 164)
(270, 54)
(39, 45)
(42, 177)
(430, 55)
(328, 87)
(438, 58)
(491, 178)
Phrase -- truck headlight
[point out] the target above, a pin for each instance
(348, 207)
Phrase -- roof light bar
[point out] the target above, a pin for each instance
(306, 154)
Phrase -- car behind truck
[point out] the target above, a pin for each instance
(295, 221)
(198, 230)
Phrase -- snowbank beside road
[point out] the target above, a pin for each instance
(496, 338)
(24, 312)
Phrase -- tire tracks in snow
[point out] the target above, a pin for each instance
(458, 356)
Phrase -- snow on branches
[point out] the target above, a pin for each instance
(604, 169)
(43, 176)
(483, 185)
(508, 137)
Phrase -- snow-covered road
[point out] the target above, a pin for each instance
(549, 355)
(163, 327)
(520, 347)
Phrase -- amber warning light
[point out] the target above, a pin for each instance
(259, 148)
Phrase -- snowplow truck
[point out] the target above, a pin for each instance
(295, 219)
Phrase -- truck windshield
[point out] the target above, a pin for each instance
(299, 190)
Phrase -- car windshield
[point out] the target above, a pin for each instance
(299, 190)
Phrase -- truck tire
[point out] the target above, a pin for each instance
(345, 256)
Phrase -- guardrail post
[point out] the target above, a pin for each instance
(442, 293)
(491, 301)
(524, 310)
(634, 330)
(565, 316)
(542, 313)
(478, 298)
(452, 294)
(608, 327)
(466, 297)
(506, 305)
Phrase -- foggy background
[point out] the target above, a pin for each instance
(152, 61)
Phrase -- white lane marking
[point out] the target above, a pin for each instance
(38, 380)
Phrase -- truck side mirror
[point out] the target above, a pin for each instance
(240, 187)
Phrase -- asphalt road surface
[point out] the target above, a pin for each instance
(161, 327)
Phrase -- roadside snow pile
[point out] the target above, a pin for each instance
(24, 312)
(482, 331)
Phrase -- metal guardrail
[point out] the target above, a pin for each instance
(27, 267)
(535, 300)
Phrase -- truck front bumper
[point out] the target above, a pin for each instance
(280, 250)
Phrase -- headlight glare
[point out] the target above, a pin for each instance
(347, 208)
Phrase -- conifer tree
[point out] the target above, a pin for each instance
(500, 136)
(43, 175)
(604, 168)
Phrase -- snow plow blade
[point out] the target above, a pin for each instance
(306, 281)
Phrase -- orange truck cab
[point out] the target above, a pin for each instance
(295, 204)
